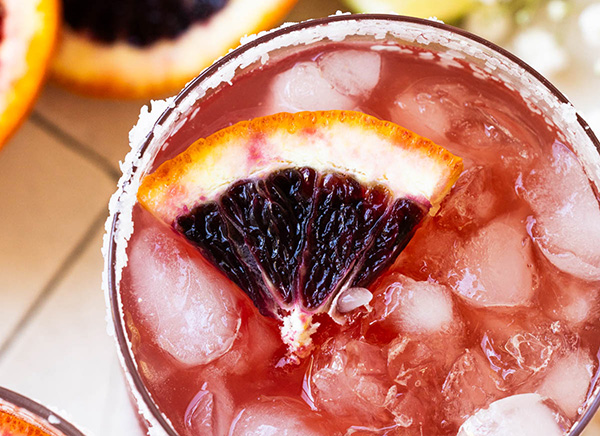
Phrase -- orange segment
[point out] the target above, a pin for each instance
(124, 70)
(350, 142)
(29, 32)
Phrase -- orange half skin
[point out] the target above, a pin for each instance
(24, 90)
(101, 82)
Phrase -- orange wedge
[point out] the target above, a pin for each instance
(29, 29)
(299, 209)
(128, 64)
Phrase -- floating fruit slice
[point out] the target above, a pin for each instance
(28, 31)
(144, 48)
(447, 10)
(298, 209)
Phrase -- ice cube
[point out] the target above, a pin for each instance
(186, 303)
(495, 266)
(411, 363)
(416, 307)
(520, 346)
(426, 110)
(421, 363)
(454, 114)
(303, 87)
(199, 414)
(211, 410)
(412, 412)
(568, 299)
(431, 253)
(480, 127)
(255, 347)
(471, 202)
(566, 220)
(278, 416)
(349, 381)
(351, 72)
(470, 385)
(568, 380)
(578, 309)
(523, 415)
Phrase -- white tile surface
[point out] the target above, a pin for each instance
(100, 125)
(50, 195)
(64, 358)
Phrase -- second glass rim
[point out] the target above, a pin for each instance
(37, 409)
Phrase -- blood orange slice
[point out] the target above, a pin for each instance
(145, 48)
(297, 209)
(28, 30)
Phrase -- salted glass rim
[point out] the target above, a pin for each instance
(52, 420)
(113, 220)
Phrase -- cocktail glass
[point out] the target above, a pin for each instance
(174, 124)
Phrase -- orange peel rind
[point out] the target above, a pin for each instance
(370, 149)
(30, 31)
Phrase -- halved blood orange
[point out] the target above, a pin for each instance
(297, 209)
(146, 48)
(28, 31)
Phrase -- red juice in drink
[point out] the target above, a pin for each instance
(486, 323)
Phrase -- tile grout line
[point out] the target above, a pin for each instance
(54, 281)
(75, 145)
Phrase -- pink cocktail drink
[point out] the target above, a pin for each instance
(486, 323)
